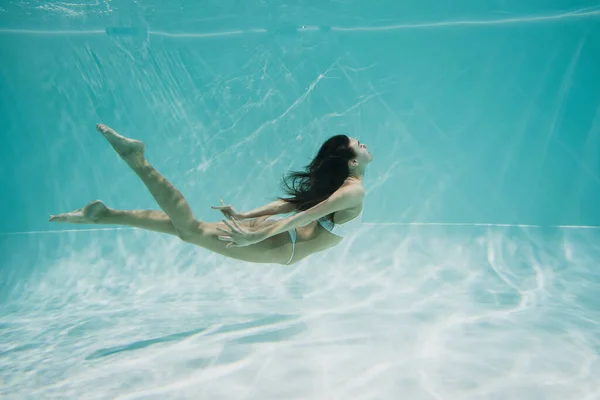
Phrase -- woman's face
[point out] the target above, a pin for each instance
(363, 156)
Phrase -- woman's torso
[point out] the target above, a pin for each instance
(313, 238)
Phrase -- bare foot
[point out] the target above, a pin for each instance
(86, 215)
(127, 148)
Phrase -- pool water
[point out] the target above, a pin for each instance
(475, 273)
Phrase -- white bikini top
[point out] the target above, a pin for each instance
(342, 230)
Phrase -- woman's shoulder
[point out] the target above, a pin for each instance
(353, 188)
(350, 196)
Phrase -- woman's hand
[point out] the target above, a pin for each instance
(237, 237)
(228, 211)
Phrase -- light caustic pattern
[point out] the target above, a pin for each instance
(447, 313)
(416, 312)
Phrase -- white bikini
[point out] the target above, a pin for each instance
(341, 230)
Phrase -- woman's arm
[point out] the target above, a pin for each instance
(273, 208)
(343, 198)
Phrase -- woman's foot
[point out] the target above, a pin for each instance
(86, 215)
(126, 148)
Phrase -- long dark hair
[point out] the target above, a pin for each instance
(323, 176)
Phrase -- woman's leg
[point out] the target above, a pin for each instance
(177, 212)
(151, 220)
(97, 213)
(168, 198)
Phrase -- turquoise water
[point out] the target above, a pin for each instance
(475, 275)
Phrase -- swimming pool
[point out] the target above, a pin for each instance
(475, 274)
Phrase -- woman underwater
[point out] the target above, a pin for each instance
(325, 202)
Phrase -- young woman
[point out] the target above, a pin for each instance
(325, 202)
